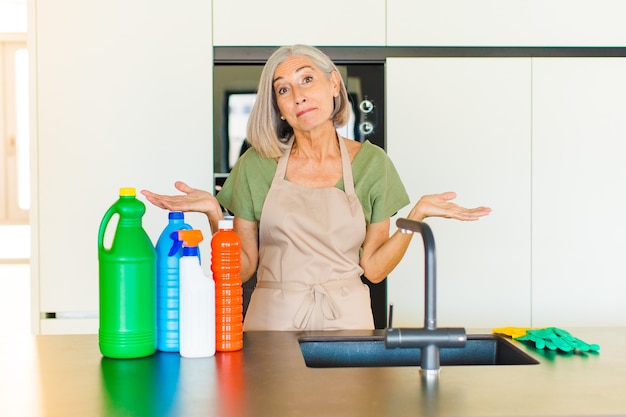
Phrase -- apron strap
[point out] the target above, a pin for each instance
(346, 167)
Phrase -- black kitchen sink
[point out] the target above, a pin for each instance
(370, 351)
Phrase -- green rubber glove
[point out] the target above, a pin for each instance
(554, 338)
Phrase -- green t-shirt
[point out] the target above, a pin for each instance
(376, 183)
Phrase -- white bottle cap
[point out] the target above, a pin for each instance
(226, 224)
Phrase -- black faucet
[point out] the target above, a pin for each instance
(429, 338)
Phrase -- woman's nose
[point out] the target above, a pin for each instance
(299, 95)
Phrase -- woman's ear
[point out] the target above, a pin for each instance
(335, 80)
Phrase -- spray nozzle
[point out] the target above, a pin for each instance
(190, 238)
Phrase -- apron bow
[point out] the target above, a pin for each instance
(317, 295)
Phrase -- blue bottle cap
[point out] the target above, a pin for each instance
(176, 215)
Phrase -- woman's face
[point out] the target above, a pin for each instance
(304, 94)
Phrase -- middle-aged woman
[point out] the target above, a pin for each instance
(312, 208)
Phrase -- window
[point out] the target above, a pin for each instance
(14, 149)
(14, 133)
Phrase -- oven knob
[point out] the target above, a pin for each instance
(366, 128)
(366, 106)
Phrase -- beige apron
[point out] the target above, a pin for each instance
(309, 242)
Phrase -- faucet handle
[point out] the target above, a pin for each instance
(390, 321)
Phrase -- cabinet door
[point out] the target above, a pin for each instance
(463, 125)
(119, 102)
(579, 177)
(506, 23)
(283, 22)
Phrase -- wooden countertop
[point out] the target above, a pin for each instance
(67, 376)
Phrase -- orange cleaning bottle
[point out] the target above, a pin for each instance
(225, 265)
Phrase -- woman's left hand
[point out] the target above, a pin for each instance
(439, 205)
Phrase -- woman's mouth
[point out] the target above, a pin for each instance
(300, 113)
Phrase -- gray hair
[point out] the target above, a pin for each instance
(266, 132)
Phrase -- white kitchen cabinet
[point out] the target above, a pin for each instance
(549, 160)
(579, 177)
(489, 23)
(283, 22)
(122, 98)
(463, 125)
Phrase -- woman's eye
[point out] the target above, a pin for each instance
(307, 79)
(281, 90)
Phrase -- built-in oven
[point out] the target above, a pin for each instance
(235, 79)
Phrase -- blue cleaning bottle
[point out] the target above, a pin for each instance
(169, 251)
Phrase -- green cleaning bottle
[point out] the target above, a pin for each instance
(127, 283)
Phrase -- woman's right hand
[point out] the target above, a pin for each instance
(194, 200)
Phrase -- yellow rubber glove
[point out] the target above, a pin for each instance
(511, 331)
